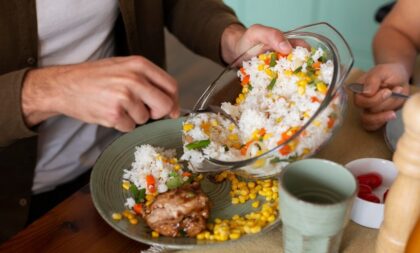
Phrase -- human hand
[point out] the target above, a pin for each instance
(236, 39)
(376, 101)
(116, 92)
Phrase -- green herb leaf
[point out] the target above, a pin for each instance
(272, 83)
(141, 195)
(323, 59)
(310, 62)
(174, 182)
(198, 144)
(297, 70)
(273, 60)
(250, 87)
(134, 191)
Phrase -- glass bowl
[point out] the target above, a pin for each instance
(227, 86)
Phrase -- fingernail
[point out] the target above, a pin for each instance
(386, 94)
(398, 89)
(285, 47)
(392, 116)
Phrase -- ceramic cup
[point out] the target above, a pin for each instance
(316, 198)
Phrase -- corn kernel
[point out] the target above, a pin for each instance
(133, 221)
(317, 123)
(255, 229)
(321, 87)
(177, 167)
(261, 67)
(200, 236)
(262, 57)
(301, 90)
(173, 160)
(214, 122)
(259, 163)
(217, 221)
(235, 217)
(231, 127)
(187, 127)
(233, 137)
(255, 204)
(267, 136)
(128, 214)
(126, 185)
(234, 236)
(302, 83)
(252, 195)
(242, 199)
(116, 216)
(288, 72)
(155, 234)
(271, 218)
(251, 184)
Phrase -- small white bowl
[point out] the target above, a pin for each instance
(365, 213)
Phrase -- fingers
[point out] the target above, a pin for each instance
(125, 123)
(382, 100)
(159, 103)
(155, 77)
(391, 103)
(269, 36)
(376, 99)
(374, 121)
(300, 43)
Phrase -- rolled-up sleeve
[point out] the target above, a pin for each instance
(12, 124)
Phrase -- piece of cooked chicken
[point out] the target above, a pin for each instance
(178, 212)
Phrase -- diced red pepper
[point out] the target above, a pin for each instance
(186, 174)
(314, 99)
(316, 65)
(330, 122)
(137, 208)
(285, 150)
(243, 71)
(244, 149)
(245, 80)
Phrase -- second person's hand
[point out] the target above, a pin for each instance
(376, 101)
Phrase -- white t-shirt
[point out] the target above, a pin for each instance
(71, 31)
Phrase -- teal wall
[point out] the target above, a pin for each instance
(354, 19)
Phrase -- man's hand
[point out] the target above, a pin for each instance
(379, 82)
(116, 92)
(236, 39)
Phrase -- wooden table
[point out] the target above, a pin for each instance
(75, 226)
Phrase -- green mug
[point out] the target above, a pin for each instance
(316, 197)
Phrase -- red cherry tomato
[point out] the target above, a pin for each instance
(364, 188)
(385, 194)
(369, 197)
(372, 179)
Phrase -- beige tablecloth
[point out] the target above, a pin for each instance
(350, 142)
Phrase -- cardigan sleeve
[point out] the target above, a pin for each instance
(199, 24)
(12, 124)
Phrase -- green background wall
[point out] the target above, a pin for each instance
(354, 19)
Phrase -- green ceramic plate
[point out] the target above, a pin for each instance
(109, 197)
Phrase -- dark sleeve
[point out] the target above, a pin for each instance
(199, 24)
(12, 125)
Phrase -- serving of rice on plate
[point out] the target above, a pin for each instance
(279, 94)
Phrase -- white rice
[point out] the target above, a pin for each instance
(283, 109)
(149, 160)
